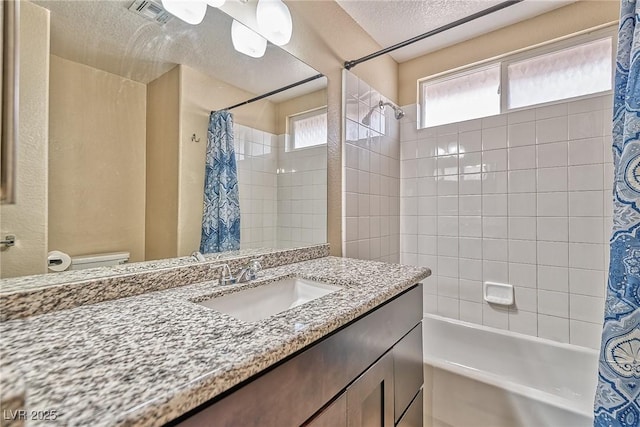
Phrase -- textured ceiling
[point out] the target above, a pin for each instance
(391, 22)
(104, 34)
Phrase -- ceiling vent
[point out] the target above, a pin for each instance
(151, 11)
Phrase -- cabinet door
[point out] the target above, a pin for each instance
(335, 415)
(414, 415)
(370, 397)
(407, 369)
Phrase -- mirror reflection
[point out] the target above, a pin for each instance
(128, 124)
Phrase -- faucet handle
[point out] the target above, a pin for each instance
(224, 279)
(250, 270)
(255, 265)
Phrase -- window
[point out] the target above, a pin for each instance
(570, 69)
(308, 129)
(572, 72)
(462, 96)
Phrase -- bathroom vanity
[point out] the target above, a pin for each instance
(160, 357)
(368, 373)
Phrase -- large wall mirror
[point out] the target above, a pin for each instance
(124, 102)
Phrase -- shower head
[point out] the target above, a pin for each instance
(398, 113)
(366, 120)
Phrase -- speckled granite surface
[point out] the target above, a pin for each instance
(12, 396)
(146, 359)
(38, 281)
(31, 295)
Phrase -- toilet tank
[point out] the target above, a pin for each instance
(98, 260)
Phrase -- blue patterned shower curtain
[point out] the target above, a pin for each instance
(221, 217)
(617, 401)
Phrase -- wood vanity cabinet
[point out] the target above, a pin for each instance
(366, 402)
(366, 374)
(388, 393)
(370, 397)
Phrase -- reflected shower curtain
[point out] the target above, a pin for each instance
(221, 217)
(617, 401)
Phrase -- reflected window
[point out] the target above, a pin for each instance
(308, 129)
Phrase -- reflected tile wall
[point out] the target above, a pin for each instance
(302, 195)
(521, 198)
(256, 156)
(371, 175)
(283, 195)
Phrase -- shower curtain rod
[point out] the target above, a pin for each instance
(273, 92)
(350, 64)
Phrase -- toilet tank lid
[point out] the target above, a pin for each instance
(111, 256)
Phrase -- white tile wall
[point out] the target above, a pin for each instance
(302, 195)
(283, 195)
(371, 179)
(257, 160)
(520, 198)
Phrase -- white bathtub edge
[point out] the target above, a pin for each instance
(500, 382)
(545, 341)
(504, 382)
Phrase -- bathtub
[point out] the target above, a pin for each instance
(484, 377)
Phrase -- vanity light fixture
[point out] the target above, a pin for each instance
(190, 11)
(274, 21)
(247, 41)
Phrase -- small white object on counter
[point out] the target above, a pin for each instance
(58, 261)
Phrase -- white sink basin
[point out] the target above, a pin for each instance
(258, 303)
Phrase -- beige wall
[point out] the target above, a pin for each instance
(200, 94)
(27, 219)
(298, 105)
(325, 36)
(558, 23)
(97, 131)
(163, 133)
(320, 29)
(319, 40)
(179, 104)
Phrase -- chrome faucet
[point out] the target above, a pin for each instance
(249, 271)
(226, 278)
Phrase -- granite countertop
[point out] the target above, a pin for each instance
(43, 293)
(38, 281)
(12, 395)
(144, 360)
